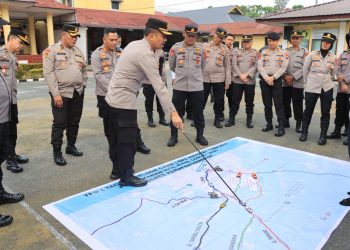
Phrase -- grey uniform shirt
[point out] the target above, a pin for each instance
(272, 63)
(343, 68)
(295, 66)
(318, 72)
(159, 53)
(218, 67)
(64, 70)
(103, 64)
(5, 100)
(137, 62)
(188, 63)
(245, 62)
(8, 64)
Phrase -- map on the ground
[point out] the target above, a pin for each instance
(291, 202)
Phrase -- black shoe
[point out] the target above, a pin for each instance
(192, 124)
(133, 181)
(322, 140)
(5, 220)
(298, 127)
(217, 123)
(6, 197)
(280, 131)
(221, 118)
(201, 140)
(58, 158)
(142, 148)
(250, 123)
(72, 150)
(345, 202)
(267, 127)
(303, 137)
(151, 123)
(345, 142)
(230, 122)
(114, 175)
(164, 122)
(21, 159)
(13, 166)
(172, 141)
(334, 135)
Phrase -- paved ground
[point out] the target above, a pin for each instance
(44, 182)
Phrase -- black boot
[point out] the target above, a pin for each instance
(6, 197)
(323, 137)
(335, 134)
(5, 220)
(267, 127)
(280, 131)
(217, 123)
(21, 159)
(230, 122)
(150, 120)
(132, 181)
(173, 138)
(58, 157)
(304, 132)
(200, 138)
(12, 165)
(163, 122)
(250, 122)
(71, 149)
(298, 126)
(140, 145)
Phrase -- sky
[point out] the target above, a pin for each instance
(181, 5)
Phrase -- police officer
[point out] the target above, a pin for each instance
(66, 76)
(293, 82)
(137, 62)
(217, 73)
(149, 94)
(187, 60)
(244, 72)
(342, 99)
(16, 40)
(319, 69)
(6, 96)
(272, 65)
(230, 38)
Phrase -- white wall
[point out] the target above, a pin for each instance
(82, 41)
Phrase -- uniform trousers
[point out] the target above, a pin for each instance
(296, 96)
(229, 93)
(274, 93)
(12, 132)
(4, 143)
(122, 132)
(195, 99)
(149, 94)
(326, 99)
(342, 110)
(219, 96)
(237, 93)
(66, 118)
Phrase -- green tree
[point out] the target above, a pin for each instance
(280, 5)
(255, 11)
(297, 6)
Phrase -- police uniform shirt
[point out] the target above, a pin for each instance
(343, 68)
(231, 52)
(159, 53)
(273, 63)
(218, 67)
(188, 63)
(137, 62)
(318, 72)
(103, 64)
(64, 70)
(8, 65)
(5, 100)
(295, 65)
(245, 62)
